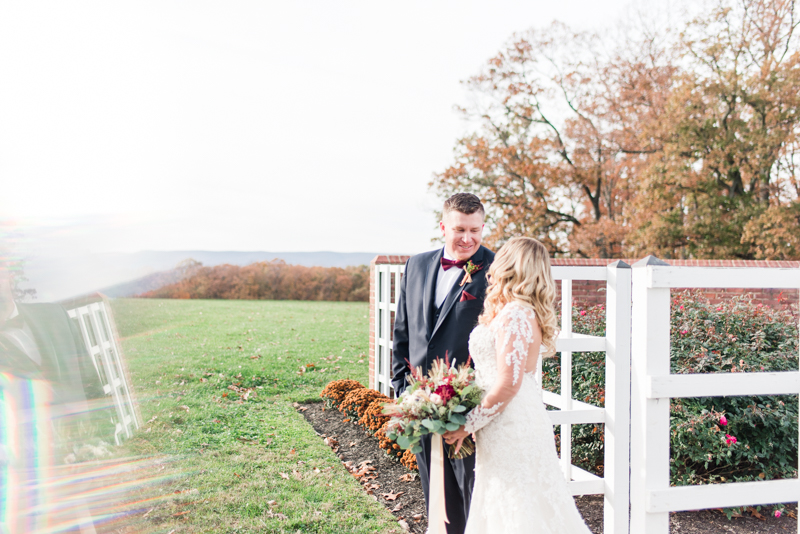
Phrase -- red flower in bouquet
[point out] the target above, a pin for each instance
(446, 392)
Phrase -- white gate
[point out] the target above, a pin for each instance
(105, 355)
(616, 413)
(652, 498)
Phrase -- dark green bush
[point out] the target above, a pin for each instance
(734, 336)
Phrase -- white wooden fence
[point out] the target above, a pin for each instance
(639, 387)
(615, 415)
(387, 293)
(95, 326)
(653, 386)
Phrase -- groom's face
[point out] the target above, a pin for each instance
(462, 233)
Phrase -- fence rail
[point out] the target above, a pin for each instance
(652, 498)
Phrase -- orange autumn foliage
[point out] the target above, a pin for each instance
(272, 280)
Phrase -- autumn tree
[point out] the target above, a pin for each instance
(725, 184)
(633, 142)
(557, 141)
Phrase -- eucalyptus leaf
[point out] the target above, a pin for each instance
(458, 418)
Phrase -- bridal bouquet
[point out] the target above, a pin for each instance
(434, 404)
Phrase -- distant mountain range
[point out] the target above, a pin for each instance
(126, 274)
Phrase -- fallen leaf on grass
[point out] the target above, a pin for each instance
(285, 476)
(268, 441)
(297, 474)
(391, 496)
(180, 513)
(293, 451)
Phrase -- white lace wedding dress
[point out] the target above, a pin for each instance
(519, 486)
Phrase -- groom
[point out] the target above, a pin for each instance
(435, 316)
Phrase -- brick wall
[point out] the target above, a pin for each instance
(586, 293)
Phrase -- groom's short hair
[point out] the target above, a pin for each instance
(466, 203)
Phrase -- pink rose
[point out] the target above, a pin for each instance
(681, 308)
(583, 312)
(730, 440)
(723, 421)
(777, 513)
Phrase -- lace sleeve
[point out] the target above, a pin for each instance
(515, 330)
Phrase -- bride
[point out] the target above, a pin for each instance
(519, 487)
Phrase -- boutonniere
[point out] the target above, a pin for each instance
(470, 269)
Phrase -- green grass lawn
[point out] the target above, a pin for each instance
(240, 454)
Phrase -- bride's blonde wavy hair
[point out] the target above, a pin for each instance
(521, 271)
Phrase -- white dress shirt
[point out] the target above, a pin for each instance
(446, 279)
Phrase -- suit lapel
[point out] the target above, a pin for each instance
(12, 357)
(42, 338)
(430, 289)
(455, 291)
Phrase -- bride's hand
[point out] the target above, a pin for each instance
(457, 437)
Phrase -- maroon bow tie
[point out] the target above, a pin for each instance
(446, 264)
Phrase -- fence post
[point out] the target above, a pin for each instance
(616, 473)
(566, 379)
(650, 347)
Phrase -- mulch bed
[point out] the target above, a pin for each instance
(360, 453)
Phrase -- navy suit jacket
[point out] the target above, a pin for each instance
(65, 361)
(419, 336)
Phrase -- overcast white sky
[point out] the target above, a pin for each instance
(242, 125)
